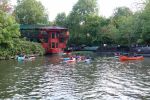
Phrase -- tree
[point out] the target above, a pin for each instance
(123, 21)
(5, 6)
(146, 23)
(61, 19)
(9, 29)
(85, 7)
(91, 28)
(110, 34)
(81, 10)
(137, 28)
(30, 12)
(122, 11)
(126, 30)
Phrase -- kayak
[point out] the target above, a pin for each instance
(70, 60)
(29, 58)
(66, 59)
(23, 58)
(125, 58)
(87, 60)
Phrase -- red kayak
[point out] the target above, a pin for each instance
(125, 58)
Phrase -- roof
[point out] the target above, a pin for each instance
(54, 27)
(38, 27)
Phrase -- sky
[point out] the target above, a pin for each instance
(106, 7)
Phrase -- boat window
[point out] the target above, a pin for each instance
(53, 35)
(53, 44)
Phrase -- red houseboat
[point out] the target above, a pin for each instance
(52, 38)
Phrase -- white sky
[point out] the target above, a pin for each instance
(106, 7)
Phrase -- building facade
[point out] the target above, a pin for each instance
(52, 38)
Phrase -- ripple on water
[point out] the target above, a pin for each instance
(102, 79)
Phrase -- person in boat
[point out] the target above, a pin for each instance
(117, 54)
(20, 56)
(71, 58)
(78, 58)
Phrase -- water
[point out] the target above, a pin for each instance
(102, 79)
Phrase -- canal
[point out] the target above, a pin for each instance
(105, 78)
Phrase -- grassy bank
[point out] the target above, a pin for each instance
(20, 46)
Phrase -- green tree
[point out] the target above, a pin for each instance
(120, 12)
(110, 34)
(145, 17)
(123, 21)
(61, 19)
(76, 19)
(137, 28)
(30, 12)
(9, 29)
(5, 6)
(126, 30)
(91, 29)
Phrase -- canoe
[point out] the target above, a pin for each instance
(125, 58)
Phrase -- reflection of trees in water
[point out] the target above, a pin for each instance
(45, 75)
(19, 78)
(54, 59)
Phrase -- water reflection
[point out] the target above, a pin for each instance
(48, 78)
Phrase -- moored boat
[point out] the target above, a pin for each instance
(125, 58)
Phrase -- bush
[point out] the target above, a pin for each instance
(21, 46)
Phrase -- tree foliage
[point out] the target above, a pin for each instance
(5, 6)
(10, 44)
(78, 17)
(30, 12)
(9, 29)
(145, 17)
(124, 27)
(91, 29)
(61, 19)
(120, 28)
(122, 11)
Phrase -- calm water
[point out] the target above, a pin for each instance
(102, 79)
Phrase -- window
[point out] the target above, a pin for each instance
(56, 45)
(53, 44)
(57, 35)
(62, 40)
(53, 35)
(49, 45)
